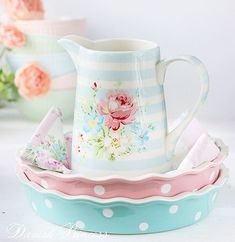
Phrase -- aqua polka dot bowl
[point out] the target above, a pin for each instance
(167, 185)
(123, 215)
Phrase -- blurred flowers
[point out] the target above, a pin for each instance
(25, 9)
(8, 90)
(32, 81)
(11, 37)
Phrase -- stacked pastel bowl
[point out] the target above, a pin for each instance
(42, 50)
(120, 205)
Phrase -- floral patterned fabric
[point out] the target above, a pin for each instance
(49, 154)
(49, 148)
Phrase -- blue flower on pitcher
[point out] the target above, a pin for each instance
(143, 137)
(93, 123)
(141, 133)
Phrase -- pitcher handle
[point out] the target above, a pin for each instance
(173, 136)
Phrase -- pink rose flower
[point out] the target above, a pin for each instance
(11, 37)
(32, 81)
(94, 86)
(25, 9)
(118, 108)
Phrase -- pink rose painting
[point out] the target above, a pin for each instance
(118, 108)
(11, 37)
(32, 81)
(25, 9)
(109, 127)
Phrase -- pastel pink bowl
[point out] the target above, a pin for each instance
(168, 184)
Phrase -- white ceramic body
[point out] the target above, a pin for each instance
(42, 49)
(120, 123)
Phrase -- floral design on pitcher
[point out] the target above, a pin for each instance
(118, 108)
(109, 128)
(93, 123)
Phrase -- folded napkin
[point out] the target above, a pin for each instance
(194, 147)
(192, 133)
(204, 150)
(49, 148)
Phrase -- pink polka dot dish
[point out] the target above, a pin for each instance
(168, 184)
(122, 215)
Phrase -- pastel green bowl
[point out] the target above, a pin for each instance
(56, 64)
(37, 108)
(123, 215)
(40, 44)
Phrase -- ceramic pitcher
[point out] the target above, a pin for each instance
(120, 123)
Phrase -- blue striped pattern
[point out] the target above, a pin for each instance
(106, 75)
(160, 125)
(145, 110)
(143, 92)
(140, 95)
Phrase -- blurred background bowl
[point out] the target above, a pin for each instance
(43, 49)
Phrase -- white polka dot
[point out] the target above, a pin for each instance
(44, 183)
(143, 226)
(212, 176)
(214, 197)
(198, 215)
(80, 225)
(34, 207)
(173, 209)
(194, 190)
(166, 188)
(108, 213)
(99, 190)
(48, 203)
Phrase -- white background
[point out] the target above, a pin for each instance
(204, 28)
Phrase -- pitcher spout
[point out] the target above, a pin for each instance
(73, 43)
